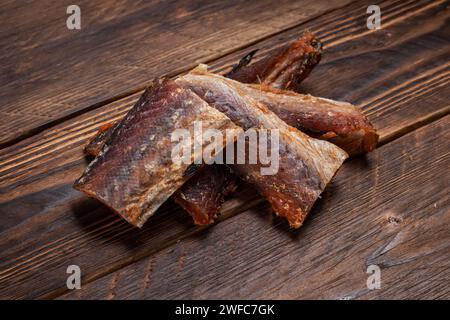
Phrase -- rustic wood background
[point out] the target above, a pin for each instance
(390, 208)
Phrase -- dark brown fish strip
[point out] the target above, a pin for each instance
(134, 173)
(284, 69)
(203, 195)
(306, 165)
(338, 122)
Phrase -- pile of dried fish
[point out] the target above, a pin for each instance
(133, 172)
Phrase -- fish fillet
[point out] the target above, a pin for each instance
(341, 123)
(134, 173)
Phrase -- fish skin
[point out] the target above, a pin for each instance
(134, 173)
(306, 165)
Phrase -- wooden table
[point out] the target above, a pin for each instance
(389, 209)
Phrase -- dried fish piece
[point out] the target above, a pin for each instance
(203, 195)
(341, 123)
(134, 173)
(306, 165)
(284, 69)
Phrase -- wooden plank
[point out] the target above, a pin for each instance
(49, 72)
(391, 210)
(46, 225)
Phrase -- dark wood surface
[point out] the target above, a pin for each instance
(400, 229)
(389, 209)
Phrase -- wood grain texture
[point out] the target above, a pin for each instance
(391, 210)
(46, 225)
(49, 72)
